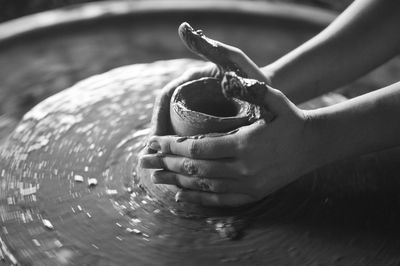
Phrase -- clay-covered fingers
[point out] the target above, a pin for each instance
(214, 199)
(190, 167)
(219, 147)
(216, 185)
(228, 57)
(209, 49)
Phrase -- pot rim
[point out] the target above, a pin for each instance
(179, 107)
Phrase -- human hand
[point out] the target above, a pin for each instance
(225, 57)
(239, 168)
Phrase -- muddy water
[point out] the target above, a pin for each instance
(344, 214)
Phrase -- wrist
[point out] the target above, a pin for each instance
(348, 129)
(285, 82)
(269, 74)
(323, 140)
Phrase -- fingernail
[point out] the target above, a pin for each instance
(146, 161)
(151, 161)
(154, 145)
(178, 197)
(142, 162)
(155, 177)
(181, 139)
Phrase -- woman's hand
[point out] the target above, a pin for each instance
(224, 56)
(239, 168)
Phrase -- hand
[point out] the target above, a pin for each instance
(239, 168)
(223, 55)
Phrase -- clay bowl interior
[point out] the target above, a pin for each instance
(204, 96)
(199, 107)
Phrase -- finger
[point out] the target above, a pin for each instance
(204, 168)
(212, 147)
(151, 161)
(228, 57)
(146, 150)
(214, 199)
(255, 92)
(216, 185)
(191, 167)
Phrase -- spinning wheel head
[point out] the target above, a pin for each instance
(96, 129)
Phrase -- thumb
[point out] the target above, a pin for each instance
(227, 57)
(255, 92)
(276, 101)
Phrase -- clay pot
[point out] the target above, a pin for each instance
(199, 107)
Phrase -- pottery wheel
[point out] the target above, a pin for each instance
(93, 131)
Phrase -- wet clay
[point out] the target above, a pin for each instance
(209, 49)
(245, 89)
(53, 214)
(199, 107)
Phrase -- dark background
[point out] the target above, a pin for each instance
(10, 9)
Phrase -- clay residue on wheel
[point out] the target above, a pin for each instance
(49, 217)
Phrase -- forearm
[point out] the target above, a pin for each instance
(363, 37)
(361, 125)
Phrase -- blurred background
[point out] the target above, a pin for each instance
(13, 9)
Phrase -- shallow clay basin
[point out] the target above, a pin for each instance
(343, 214)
